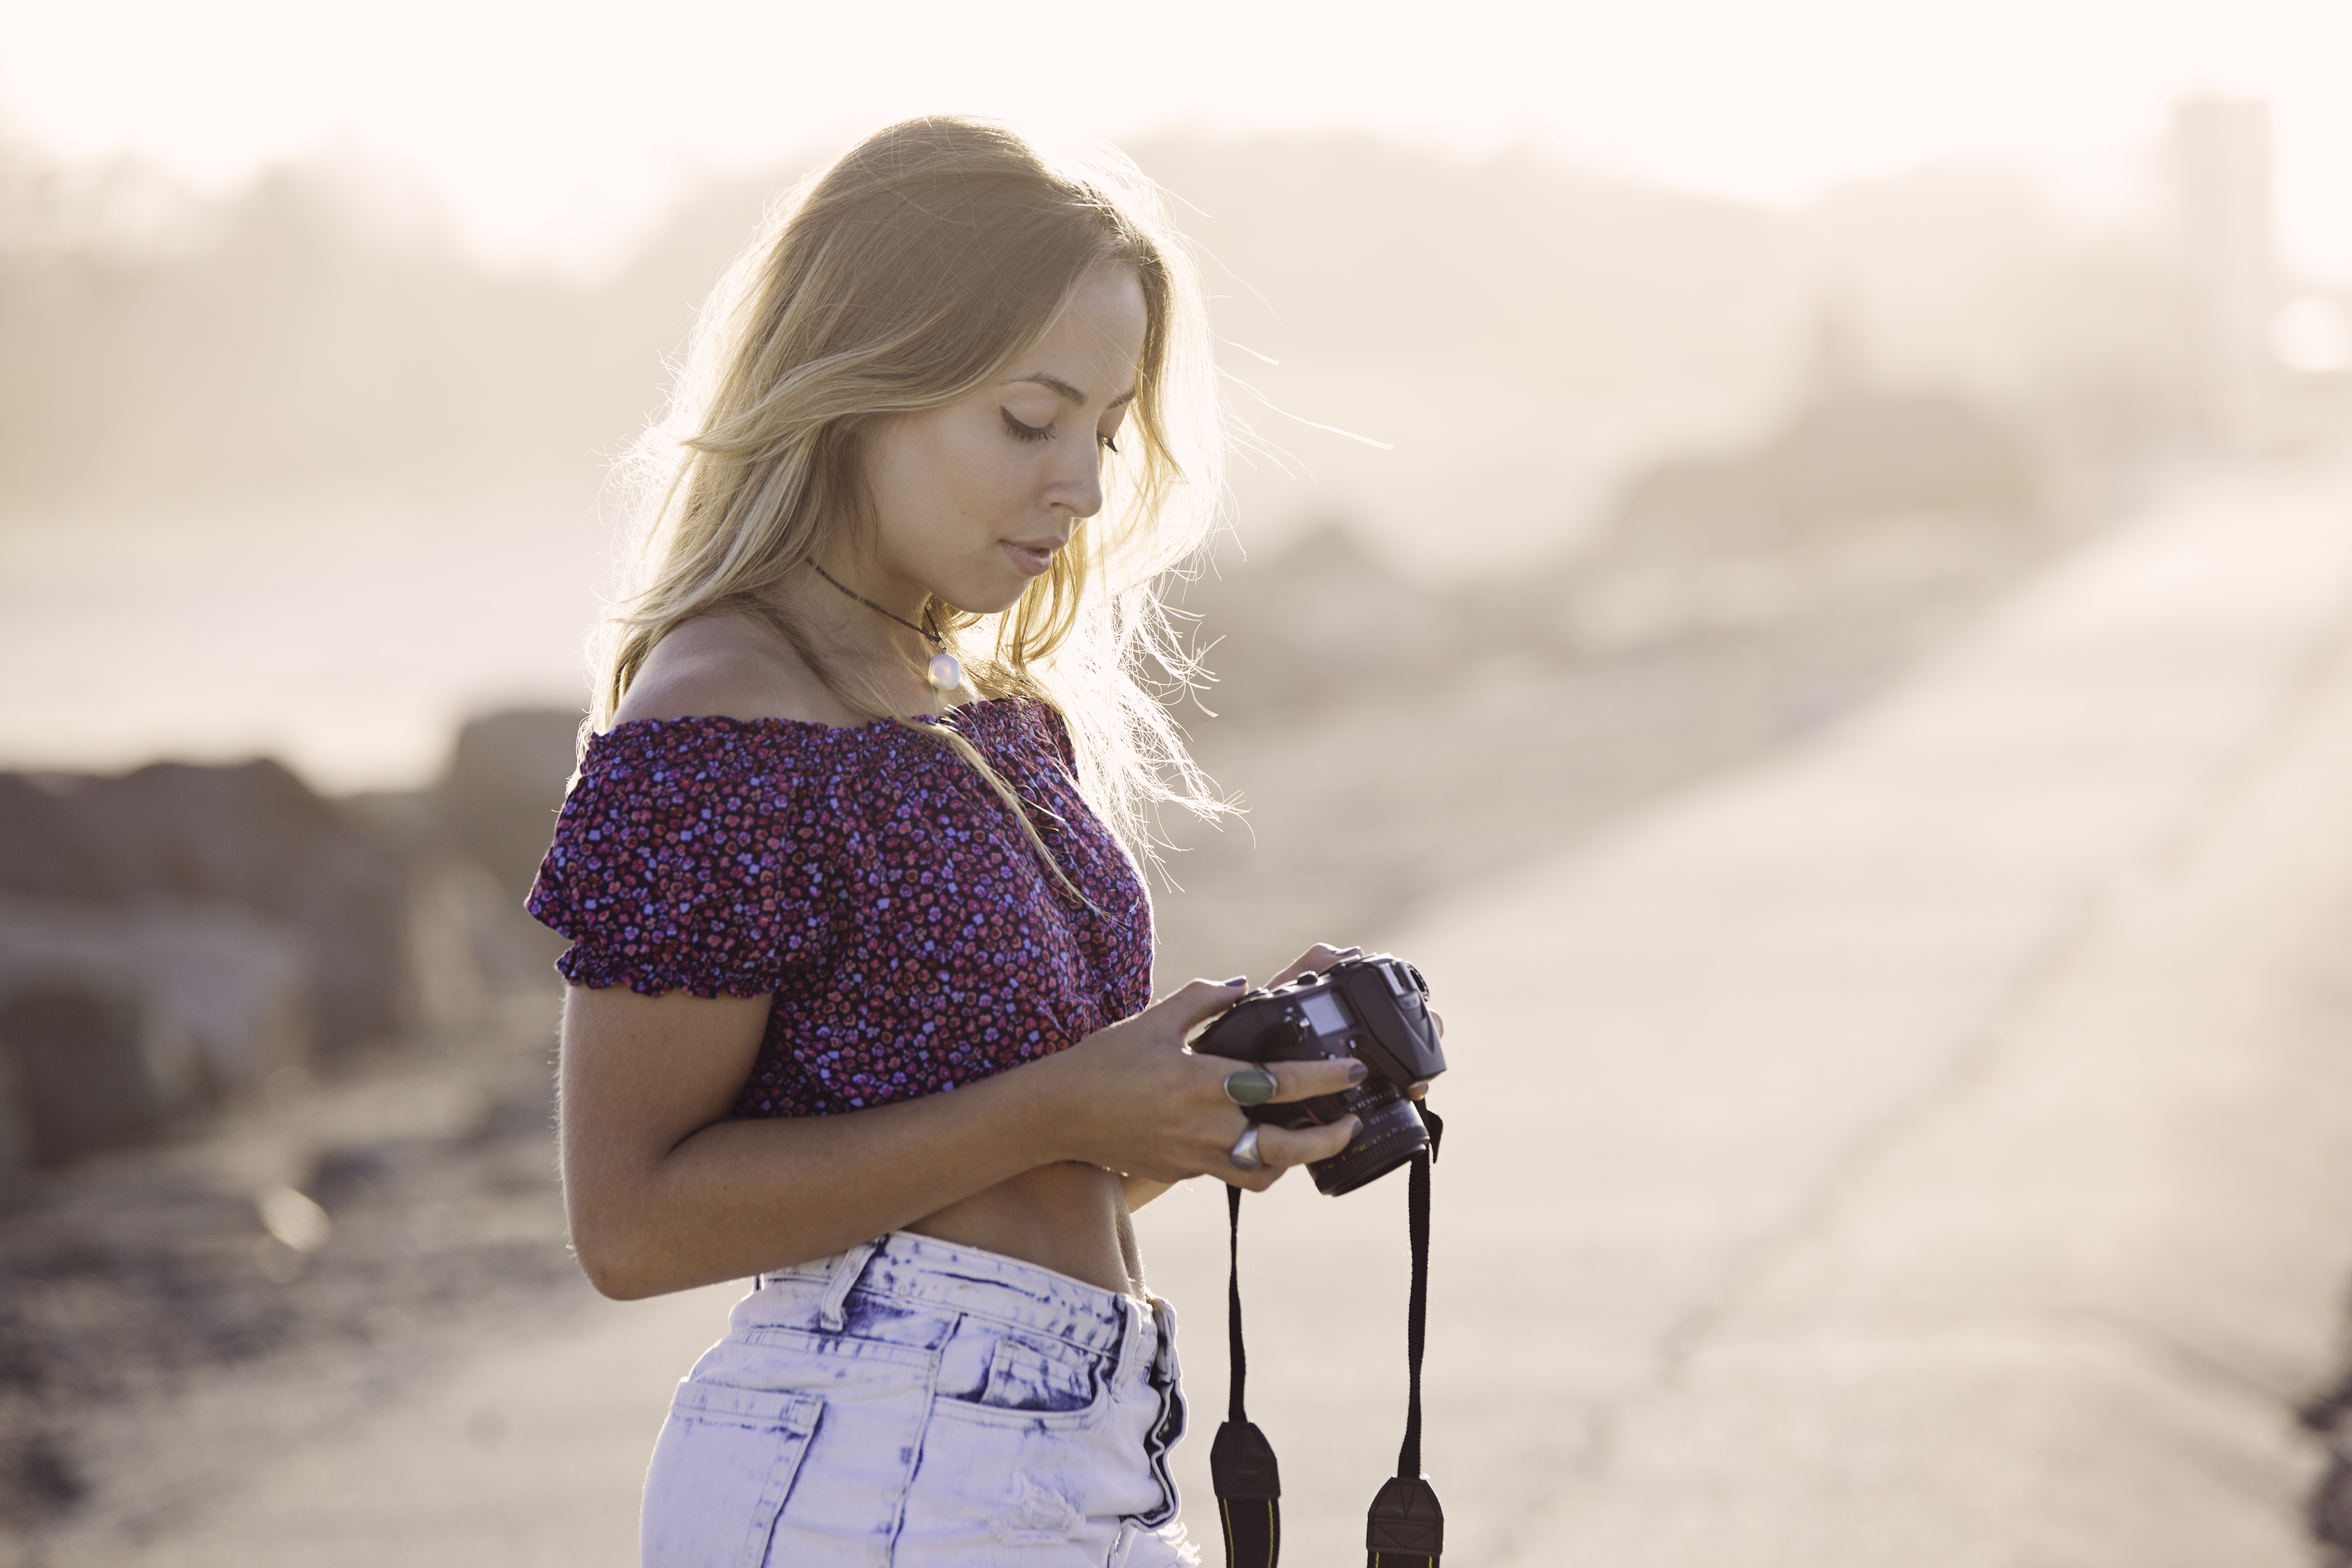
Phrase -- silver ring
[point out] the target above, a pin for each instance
(1244, 1155)
(1250, 1086)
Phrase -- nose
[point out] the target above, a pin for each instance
(1075, 486)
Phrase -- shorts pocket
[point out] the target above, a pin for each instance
(986, 1371)
(1023, 1377)
(720, 1474)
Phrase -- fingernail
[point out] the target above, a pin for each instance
(1238, 980)
(1357, 1072)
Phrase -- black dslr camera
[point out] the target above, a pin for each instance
(1374, 1008)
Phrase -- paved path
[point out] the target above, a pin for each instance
(1933, 1147)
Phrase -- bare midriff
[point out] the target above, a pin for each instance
(1071, 1218)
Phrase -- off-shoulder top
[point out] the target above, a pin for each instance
(868, 879)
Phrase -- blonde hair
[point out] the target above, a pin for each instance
(902, 278)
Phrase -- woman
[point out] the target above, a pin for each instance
(860, 963)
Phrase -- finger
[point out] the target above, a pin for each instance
(1418, 1091)
(1305, 1080)
(1250, 1084)
(1440, 1019)
(1281, 1147)
(1319, 957)
(1201, 1001)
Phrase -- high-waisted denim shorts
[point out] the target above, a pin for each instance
(912, 1402)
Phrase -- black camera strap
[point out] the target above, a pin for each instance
(1240, 1461)
(1406, 1527)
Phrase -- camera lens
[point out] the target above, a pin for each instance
(1391, 1133)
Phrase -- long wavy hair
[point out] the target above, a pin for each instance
(907, 274)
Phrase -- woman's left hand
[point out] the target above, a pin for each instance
(1314, 960)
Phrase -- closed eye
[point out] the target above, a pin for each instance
(1021, 432)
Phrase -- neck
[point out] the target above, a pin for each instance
(861, 572)
(922, 628)
(863, 645)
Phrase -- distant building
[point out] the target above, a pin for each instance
(2220, 166)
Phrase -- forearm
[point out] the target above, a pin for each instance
(666, 1191)
(739, 1197)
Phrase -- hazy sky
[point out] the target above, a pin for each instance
(553, 129)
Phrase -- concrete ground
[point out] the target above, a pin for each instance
(1934, 1146)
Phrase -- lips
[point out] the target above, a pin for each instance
(1033, 558)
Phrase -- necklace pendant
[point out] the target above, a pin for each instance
(946, 672)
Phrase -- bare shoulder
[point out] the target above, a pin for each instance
(725, 666)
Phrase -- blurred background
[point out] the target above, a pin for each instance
(1625, 396)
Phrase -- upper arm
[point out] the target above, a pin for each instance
(639, 1075)
(1140, 1190)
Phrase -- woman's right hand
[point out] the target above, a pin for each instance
(1141, 1103)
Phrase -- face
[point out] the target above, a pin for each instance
(972, 500)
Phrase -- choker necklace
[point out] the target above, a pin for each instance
(946, 672)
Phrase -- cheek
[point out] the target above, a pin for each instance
(916, 478)
(946, 483)
(979, 476)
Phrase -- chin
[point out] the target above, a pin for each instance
(988, 601)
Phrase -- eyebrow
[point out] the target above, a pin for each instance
(1071, 395)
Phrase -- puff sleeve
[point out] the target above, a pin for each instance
(684, 860)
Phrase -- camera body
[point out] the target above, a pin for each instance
(1374, 1008)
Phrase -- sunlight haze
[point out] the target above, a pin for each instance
(325, 321)
(556, 132)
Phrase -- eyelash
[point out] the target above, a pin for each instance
(1021, 432)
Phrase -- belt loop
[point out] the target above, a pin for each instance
(846, 1270)
(1163, 1339)
(1135, 1352)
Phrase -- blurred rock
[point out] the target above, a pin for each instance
(1861, 489)
(41, 848)
(16, 1151)
(250, 837)
(2328, 1509)
(474, 939)
(505, 783)
(185, 934)
(1841, 461)
(230, 986)
(1861, 496)
(1323, 618)
(79, 1059)
(475, 840)
(39, 1480)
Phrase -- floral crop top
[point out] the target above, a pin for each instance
(866, 878)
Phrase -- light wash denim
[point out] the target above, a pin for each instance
(915, 1403)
